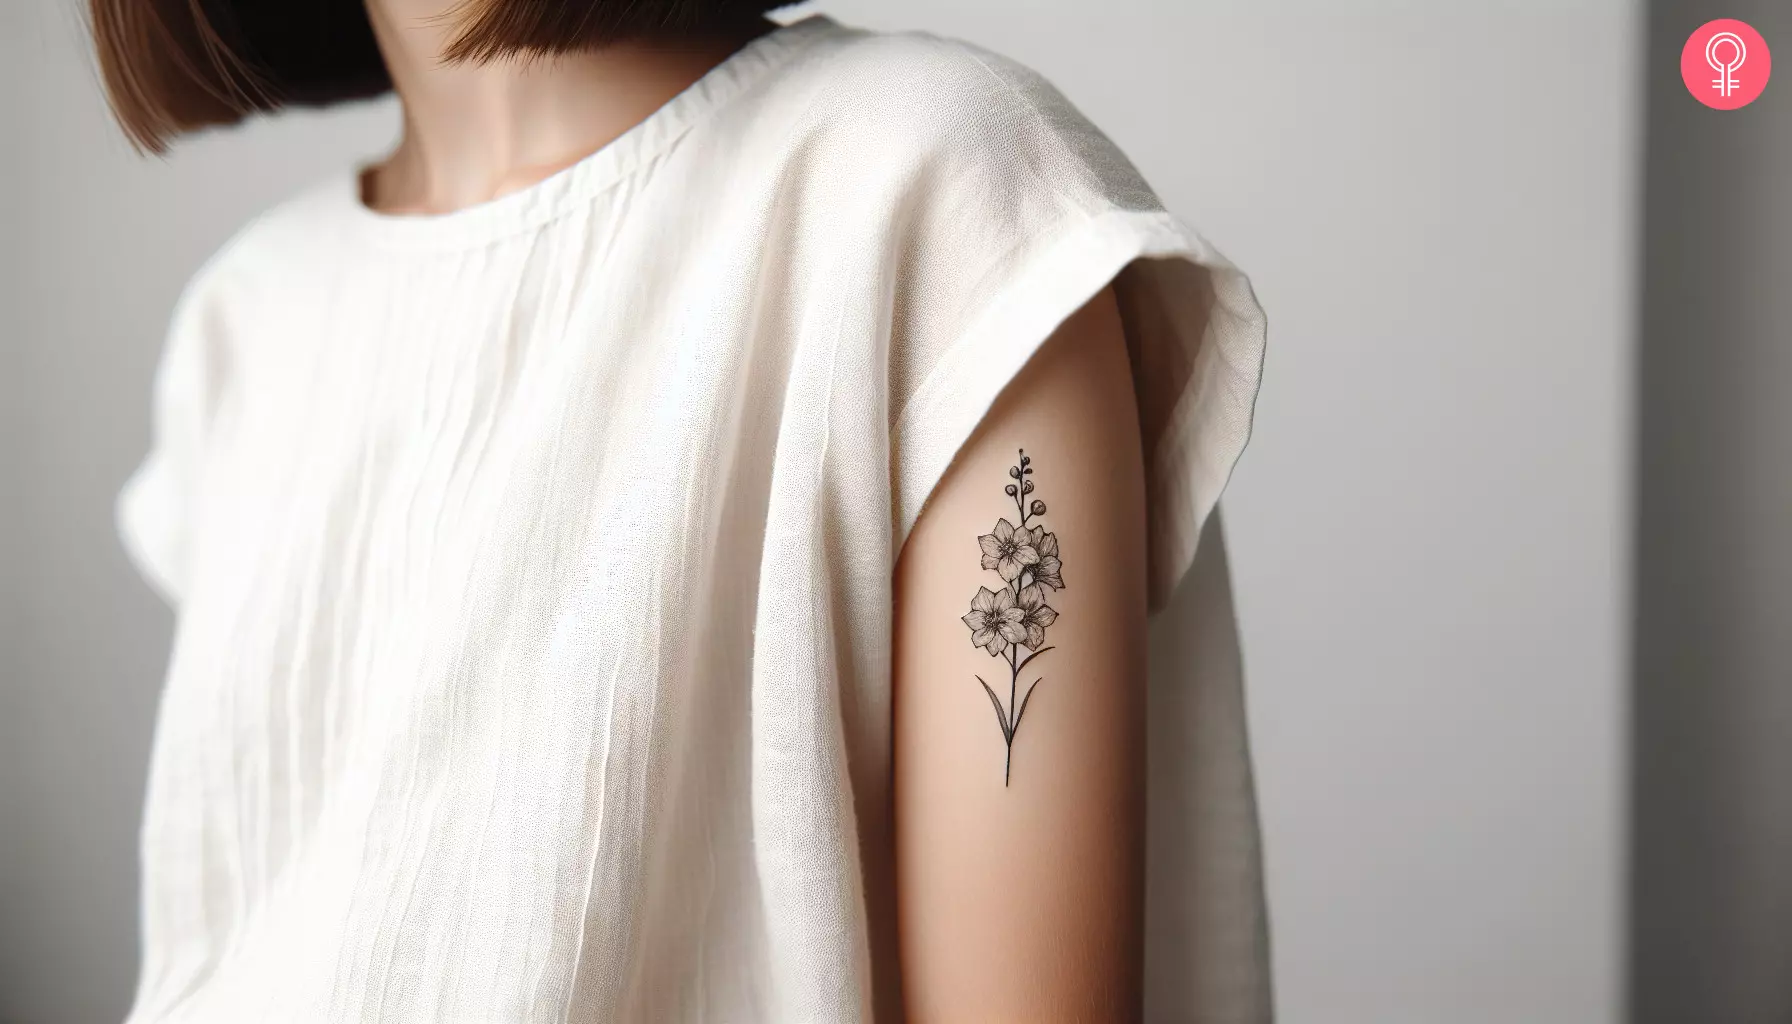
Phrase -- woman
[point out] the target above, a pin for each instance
(602, 531)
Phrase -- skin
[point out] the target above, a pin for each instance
(474, 132)
(1017, 902)
(1024, 902)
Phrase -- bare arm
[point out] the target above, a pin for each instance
(1020, 864)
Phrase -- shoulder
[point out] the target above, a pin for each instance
(920, 81)
(271, 251)
(930, 71)
(919, 103)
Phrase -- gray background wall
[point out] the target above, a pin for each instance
(1438, 203)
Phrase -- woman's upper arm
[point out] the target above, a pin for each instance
(1020, 763)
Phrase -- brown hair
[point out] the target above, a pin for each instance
(173, 66)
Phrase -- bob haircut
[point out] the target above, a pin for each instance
(174, 66)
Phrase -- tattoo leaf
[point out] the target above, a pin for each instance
(1030, 657)
(1001, 713)
(1024, 701)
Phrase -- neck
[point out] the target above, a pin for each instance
(473, 132)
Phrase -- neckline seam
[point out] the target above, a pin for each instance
(561, 194)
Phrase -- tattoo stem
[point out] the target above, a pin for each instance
(1008, 762)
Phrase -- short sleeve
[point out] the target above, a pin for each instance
(1038, 213)
(154, 509)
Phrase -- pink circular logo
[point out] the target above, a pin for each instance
(1726, 64)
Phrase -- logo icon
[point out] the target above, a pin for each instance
(1725, 64)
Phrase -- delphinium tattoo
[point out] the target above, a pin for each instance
(1007, 621)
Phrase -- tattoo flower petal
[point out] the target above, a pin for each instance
(1035, 615)
(1007, 550)
(1049, 569)
(994, 620)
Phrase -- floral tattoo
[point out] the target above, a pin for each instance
(1005, 621)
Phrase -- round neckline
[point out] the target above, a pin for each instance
(540, 202)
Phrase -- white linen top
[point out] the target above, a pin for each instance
(533, 562)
